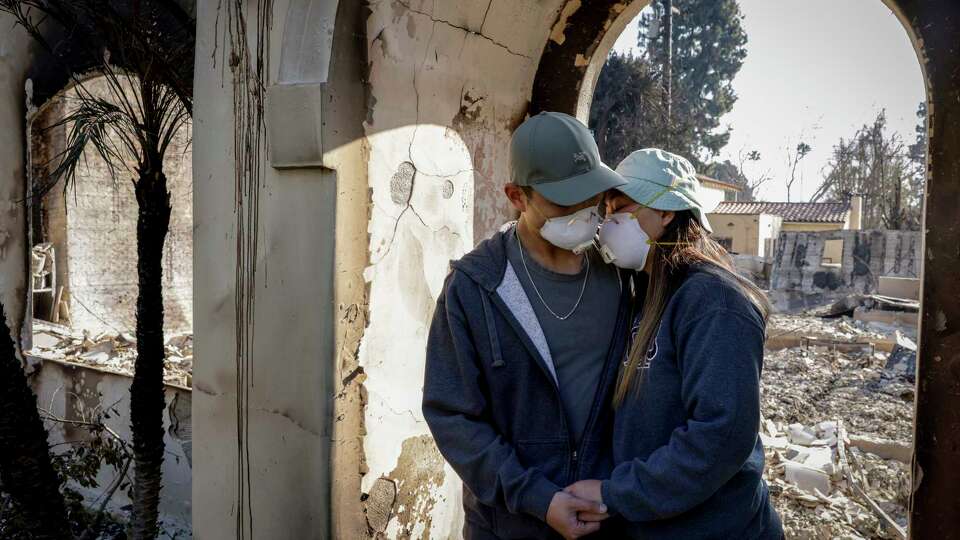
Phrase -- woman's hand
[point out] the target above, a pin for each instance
(589, 490)
(564, 515)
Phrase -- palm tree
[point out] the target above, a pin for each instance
(144, 50)
(26, 472)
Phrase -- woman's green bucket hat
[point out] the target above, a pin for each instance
(663, 181)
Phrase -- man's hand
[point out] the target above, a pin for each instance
(562, 515)
(589, 490)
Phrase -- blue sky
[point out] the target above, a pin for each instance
(820, 72)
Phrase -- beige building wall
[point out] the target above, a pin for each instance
(742, 230)
(750, 234)
(769, 227)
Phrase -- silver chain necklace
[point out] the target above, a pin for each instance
(536, 290)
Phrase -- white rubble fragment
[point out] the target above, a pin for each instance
(808, 479)
(800, 434)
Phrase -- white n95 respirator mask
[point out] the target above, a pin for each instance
(623, 242)
(574, 232)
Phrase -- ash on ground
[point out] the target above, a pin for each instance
(837, 426)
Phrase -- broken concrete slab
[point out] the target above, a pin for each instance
(808, 479)
(900, 287)
(883, 448)
(800, 434)
(900, 318)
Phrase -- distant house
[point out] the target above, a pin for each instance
(714, 192)
(751, 228)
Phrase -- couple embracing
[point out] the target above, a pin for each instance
(593, 369)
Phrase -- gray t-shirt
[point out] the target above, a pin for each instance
(578, 344)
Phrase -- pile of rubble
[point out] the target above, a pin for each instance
(110, 351)
(837, 428)
(840, 328)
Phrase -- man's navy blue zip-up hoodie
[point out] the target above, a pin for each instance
(493, 407)
(689, 462)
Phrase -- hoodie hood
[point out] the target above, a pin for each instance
(487, 263)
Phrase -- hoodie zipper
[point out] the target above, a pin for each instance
(621, 316)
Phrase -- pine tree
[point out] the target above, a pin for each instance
(709, 47)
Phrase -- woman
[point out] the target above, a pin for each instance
(689, 462)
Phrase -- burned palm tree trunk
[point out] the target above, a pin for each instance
(146, 392)
(26, 472)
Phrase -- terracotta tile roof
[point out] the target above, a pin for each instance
(796, 212)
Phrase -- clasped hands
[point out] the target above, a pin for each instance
(577, 510)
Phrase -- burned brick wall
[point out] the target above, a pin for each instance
(802, 276)
(92, 225)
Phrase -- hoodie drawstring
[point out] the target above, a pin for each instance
(491, 330)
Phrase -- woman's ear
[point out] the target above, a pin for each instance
(666, 218)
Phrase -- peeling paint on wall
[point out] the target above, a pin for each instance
(558, 34)
(418, 476)
(449, 88)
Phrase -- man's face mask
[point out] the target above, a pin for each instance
(623, 242)
(573, 232)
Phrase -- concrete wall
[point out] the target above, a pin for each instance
(77, 393)
(15, 58)
(265, 412)
(450, 81)
(93, 227)
(800, 279)
(768, 229)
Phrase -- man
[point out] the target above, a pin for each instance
(525, 343)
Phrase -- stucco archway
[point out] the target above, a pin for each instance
(565, 82)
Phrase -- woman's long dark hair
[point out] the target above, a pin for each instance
(683, 244)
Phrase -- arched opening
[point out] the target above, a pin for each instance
(83, 291)
(88, 229)
(573, 92)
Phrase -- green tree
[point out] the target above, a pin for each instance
(708, 50)
(627, 110)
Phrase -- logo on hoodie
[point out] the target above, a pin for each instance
(652, 350)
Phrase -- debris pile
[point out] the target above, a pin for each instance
(838, 417)
(110, 351)
(840, 328)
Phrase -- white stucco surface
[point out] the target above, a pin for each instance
(14, 61)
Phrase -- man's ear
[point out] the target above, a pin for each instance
(517, 197)
(667, 217)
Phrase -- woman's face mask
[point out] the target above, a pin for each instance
(573, 232)
(623, 242)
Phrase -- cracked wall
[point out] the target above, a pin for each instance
(449, 82)
(14, 61)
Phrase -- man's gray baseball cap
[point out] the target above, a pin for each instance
(555, 154)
